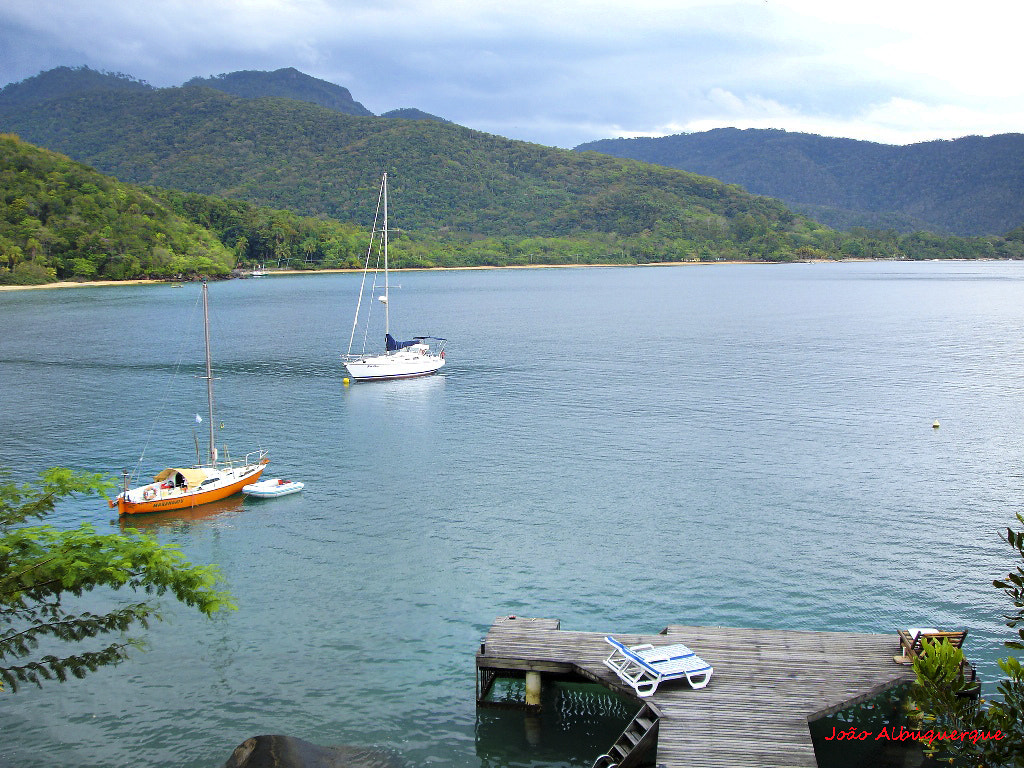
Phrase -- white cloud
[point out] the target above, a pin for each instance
(884, 70)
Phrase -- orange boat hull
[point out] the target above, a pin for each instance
(187, 500)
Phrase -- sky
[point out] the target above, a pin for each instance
(564, 72)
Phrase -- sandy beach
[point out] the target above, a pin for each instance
(93, 283)
(72, 284)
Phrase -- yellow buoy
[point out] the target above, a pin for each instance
(345, 381)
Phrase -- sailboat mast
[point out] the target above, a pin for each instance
(209, 372)
(387, 306)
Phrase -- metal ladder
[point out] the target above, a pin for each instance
(631, 747)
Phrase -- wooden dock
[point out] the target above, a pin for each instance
(767, 684)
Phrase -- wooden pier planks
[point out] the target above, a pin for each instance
(767, 684)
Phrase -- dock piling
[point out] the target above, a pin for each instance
(533, 689)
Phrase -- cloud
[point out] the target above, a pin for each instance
(573, 71)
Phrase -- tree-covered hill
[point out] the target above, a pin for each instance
(286, 83)
(60, 219)
(969, 186)
(287, 182)
(66, 81)
(313, 160)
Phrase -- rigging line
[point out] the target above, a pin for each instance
(366, 267)
(167, 389)
(373, 291)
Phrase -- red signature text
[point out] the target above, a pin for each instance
(902, 734)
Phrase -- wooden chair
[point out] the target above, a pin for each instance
(911, 641)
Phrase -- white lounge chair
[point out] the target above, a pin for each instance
(643, 667)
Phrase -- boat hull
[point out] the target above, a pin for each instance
(384, 367)
(191, 498)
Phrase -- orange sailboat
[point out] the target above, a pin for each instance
(182, 488)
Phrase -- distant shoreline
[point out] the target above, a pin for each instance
(95, 283)
(76, 284)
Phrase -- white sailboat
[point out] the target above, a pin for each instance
(182, 488)
(401, 359)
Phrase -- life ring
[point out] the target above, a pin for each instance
(149, 494)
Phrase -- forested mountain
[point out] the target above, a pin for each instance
(459, 197)
(313, 160)
(62, 220)
(289, 83)
(969, 186)
(286, 83)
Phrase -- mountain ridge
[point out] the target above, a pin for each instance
(284, 83)
(972, 185)
(967, 186)
(314, 160)
(461, 196)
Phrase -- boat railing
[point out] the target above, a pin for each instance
(253, 457)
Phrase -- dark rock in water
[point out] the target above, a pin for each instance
(287, 752)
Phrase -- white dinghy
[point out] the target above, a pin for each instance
(268, 489)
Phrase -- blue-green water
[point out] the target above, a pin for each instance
(618, 448)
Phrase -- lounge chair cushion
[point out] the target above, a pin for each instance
(644, 667)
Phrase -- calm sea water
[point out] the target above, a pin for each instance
(619, 448)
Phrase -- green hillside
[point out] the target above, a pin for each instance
(281, 181)
(446, 178)
(970, 186)
(62, 220)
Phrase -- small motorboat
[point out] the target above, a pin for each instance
(267, 489)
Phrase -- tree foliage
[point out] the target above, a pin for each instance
(45, 632)
(1013, 587)
(944, 695)
(969, 186)
(62, 220)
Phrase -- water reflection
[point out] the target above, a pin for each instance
(395, 391)
(182, 520)
(577, 722)
(873, 722)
